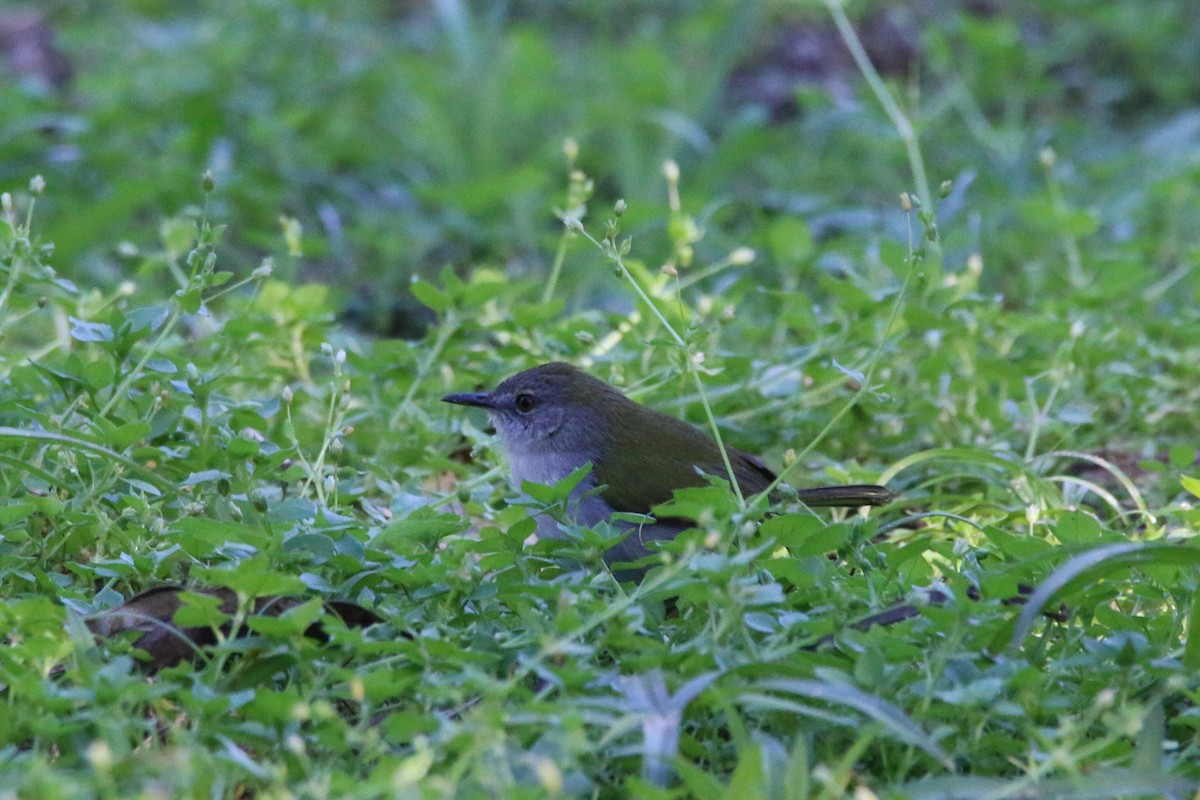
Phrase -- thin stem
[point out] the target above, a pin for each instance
(876, 354)
(478, 480)
(447, 329)
(333, 423)
(556, 269)
(1040, 414)
(1075, 271)
(691, 364)
(13, 275)
(137, 370)
(898, 118)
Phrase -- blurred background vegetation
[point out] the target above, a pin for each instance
(405, 137)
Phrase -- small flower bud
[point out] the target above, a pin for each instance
(549, 775)
(264, 269)
(6, 203)
(742, 256)
(906, 202)
(945, 188)
(207, 181)
(326, 349)
(37, 184)
(42, 301)
(193, 373)
(573, 224)
(339, 357)
(668, 269)
(100, 755)
(1047, 157)
(126, 289)
(286, 395)
(570, 149)
(975, 264)
(671, 170)
(620, 206)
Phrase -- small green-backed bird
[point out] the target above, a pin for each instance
(554, 418)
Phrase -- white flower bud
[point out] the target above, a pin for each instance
(741, 256)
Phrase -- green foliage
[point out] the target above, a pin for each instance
(1018, 360)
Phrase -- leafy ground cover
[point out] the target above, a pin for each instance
(1011, 345)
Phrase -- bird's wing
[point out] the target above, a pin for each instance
(650, 475)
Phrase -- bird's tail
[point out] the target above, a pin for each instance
(849, 496)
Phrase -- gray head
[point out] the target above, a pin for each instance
(550, 408)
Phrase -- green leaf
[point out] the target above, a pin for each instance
(318, 545)
(12, 512)
(200, 536)
(1077, 529)
(252, 577)
(692, 502)
(430, 296)
(84, 331)
(1191, 648)
(1182, 456)
(805, 535)
(1091, 564)
(553, 493)
(206, 476)
(200, 611)
(893, 719)
(293, 622)
(1191, 484)
(748, 779)
(423, 524)
(147, 318)
(126, 435)
(1019, 548)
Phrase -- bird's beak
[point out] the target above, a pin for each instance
(479, 399)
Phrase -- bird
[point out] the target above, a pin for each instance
(554, 418)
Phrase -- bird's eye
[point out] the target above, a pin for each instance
(525, 403)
